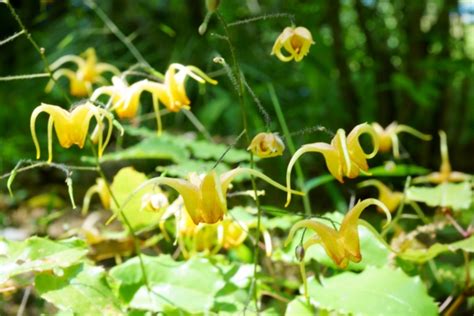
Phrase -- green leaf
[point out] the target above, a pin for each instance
(372, 292)
(205, 150)
(454, 195)
(38, 254)
(374, 252)
(183, 169)
(149, 148)
(125, 182)
(82, 289)
(190, 286)
(423, 255)
(298, 307)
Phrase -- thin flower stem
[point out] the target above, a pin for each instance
(199, 126)
(12, 37)
(39, 49)
(40, 164)
(241, 91)
(263, 17)
(291, 146)
(24, 77)
(125, 219)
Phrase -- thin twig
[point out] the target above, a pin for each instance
(12, 37)
(24, 77)
(263, 17)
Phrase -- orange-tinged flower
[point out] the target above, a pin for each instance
(205, 195)
(391, 199)
(296, 41)
(101, 189)
(445, 174)
(267, 145)
(71, 127)
(89, 71)
(344, 157)
(388, 137)
(124, 98)
(340, 245)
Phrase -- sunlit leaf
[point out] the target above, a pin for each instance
(374, 252)
(299, 307)
(423, 255)
(125, 182)
(190, 285)
(372, 292)
(454, 195)
(38, 254)
(81, 289)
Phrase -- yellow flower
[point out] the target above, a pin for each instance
(296, 41)
(205, 195)
(445, 173)
(388, 137)
(266, 145)
(71, 127)
(234, 233)
(101, 189)
(344, 156)
(340, 245)
(391, 199)
(88, 72)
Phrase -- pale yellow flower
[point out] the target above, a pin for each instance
(391, 199)
(296, 41)
(89, 71)
(388, 137)
(266, 145)
(445, 174)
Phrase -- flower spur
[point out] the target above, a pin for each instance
(71, 126)
(344, 155)
(340, 245)
(89, 71)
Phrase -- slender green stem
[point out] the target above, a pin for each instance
(39, 49)
(125, 219)
(241, 91)
(291, 146)
(24, 77)
(11, 38)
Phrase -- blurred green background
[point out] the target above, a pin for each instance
(374, 60)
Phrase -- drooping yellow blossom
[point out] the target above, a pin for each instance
(344, 157)
(391, 199)
(71, 126)
(101, 189)
(267, 145)
(388, 137)
(296, 41)
(205, 195)
(340, 245)
(89, 71)
(125, 99)
(445, 173)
